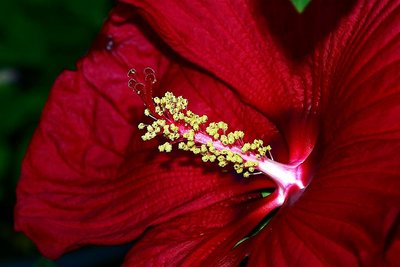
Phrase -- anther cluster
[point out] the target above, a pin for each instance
(210, 140)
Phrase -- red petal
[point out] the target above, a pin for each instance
(351, 77)
(87, 177)
(203, 238)
(253, 49)
(224, 38)
(351, 208)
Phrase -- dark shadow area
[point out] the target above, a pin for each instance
(244, 262)
(393, 229)
(94, 256)
(38, 40)
(297, 33)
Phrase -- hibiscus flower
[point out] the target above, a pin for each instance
(321, 88)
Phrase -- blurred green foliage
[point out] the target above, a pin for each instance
(300, 5)
(38, 39)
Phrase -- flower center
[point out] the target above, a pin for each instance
(213, 141)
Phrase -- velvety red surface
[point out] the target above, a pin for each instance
(326, 81)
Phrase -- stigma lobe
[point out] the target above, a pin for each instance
(143, 89)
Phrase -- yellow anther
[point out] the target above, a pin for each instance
(222, 125)
(182, 146)
(217, 153)
(190, 143)
(238, 168)
(155, 127)
(189, 135)
(224, 151)
(263, 150)
(238, 159)
(161, 123)
(238, 134)
(195, 150)
(195, 127)
(212, 158)
(231, 138)
(150, 128)
(177, 123)
(205, 158)
(225, 141)
(176, 116)
(166, 147)
(229, 155)
(222, 163)
(148, 136)
(245, 147)
(249, 163)
(166, 129)
(212, 150)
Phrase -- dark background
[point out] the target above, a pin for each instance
(38, 39)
